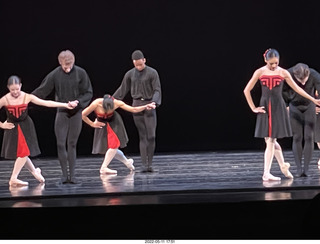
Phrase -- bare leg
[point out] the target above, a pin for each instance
(107, 159)
(284, 167)
(122, 158)
(35, 171)
(268, 158)
(14, 181)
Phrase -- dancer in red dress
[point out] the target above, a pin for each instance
(272, 116)
(19, 138)
(110, 133)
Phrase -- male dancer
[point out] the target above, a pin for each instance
(71, 84)
(144, 84)
(302, 114)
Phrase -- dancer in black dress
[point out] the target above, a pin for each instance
(302, 114)
(272, 116)
(70, 83)
(144, 84)
(110, 133)
(20, 139)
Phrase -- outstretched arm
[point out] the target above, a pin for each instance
(247, 93)
(88, 110)
(131, 109)
(47, 103)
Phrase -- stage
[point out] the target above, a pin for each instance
(207, 194)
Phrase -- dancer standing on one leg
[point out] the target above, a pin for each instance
(20, 139)
(302, 115)
(69, 83)
(110, 133)
(144, 84)
(272, 116)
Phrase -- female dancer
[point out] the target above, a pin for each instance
(19, 138)
(110, 133)
(272, 116)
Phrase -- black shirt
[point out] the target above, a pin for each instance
(71, 86)
(144, 84)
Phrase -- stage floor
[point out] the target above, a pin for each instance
(179, 178)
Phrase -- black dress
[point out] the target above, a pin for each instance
(275, 122)
(21, 141)
(113, 135)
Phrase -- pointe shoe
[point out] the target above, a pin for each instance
(38, 176)
(17, 182)
(267, 177)
(106, 170)
(285, 170)
(129, 164)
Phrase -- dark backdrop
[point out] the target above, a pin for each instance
(205, 53)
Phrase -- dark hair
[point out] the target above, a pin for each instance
(136, 55)
(107, 103)
(301, 71)
(13, 79)
(271, 53)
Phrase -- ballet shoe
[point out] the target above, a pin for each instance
(106, 170)
(17, 182)
(38, 176)
(267, 177)
(285, 170)
(129, 164)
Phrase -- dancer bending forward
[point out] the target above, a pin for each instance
(110, 133)
(272, 116)
(19, 138)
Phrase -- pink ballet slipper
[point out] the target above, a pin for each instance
(268, 176)
(285, 170)
(129, 164)
(17, 182)
(38, 176)
(106, 170)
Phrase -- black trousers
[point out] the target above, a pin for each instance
(68, 125)
(302, 124)
(146, 123)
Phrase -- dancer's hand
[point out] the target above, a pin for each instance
(317, 110)
(259, 110)
(151, 106)
(98, 124)
(73, 104)
(7, 125)
(317, 101)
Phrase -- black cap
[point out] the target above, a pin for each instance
(136, 55)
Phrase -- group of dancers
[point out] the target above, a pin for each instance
(73, 93)
(287, 108)
(295, 90)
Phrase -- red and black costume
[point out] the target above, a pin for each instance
(21, 141)
(275, 122)
(113, 135)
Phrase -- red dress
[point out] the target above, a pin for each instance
(113, 135)
(21, 141)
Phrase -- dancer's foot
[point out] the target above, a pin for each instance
(38, 176)
(267, 177)
(285, 170)
(106, 170)
(129, 164)
(17, 182)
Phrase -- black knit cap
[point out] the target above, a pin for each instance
(136, 55)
